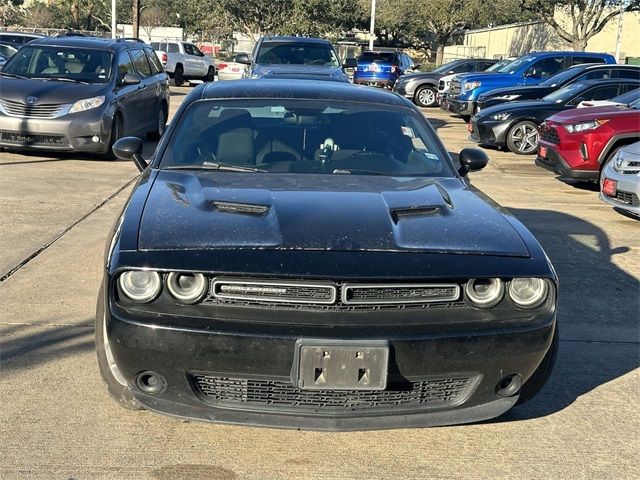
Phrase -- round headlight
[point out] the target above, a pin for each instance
(187, 287)
(140, 285)
(484, 292)
(528, 292)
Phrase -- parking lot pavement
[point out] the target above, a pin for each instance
(57, 422)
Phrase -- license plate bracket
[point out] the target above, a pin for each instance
(341, 364)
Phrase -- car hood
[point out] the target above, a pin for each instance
(493, 77)
(590, 113)
(299, 71)
(531, 106)
(47, 91)
(535, 91)
(420, 76)
(209, 210)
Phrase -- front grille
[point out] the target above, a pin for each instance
(372, 294)
(441, 85)
(628, 198)
(455, 88)
(273, 291)
(549, 134)
(274, 394)
(30, 140)
(19, 109)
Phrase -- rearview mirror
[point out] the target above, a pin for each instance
(471, 160)
(130, 148)
(350, 63)
(243, 58)
(130, 79)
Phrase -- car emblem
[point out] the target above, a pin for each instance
(32, 100)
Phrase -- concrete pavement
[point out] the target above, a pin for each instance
(57, 421)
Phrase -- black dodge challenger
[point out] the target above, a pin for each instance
(307, 255)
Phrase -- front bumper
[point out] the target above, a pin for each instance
(463, 108)
(627, 195)
(242, 356)
(554, 162)
(492, 133)
(407, 90)
(73, 132)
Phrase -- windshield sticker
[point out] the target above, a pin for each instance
(278, 109)
(431, 156)
(408, 131)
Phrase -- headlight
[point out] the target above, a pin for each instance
(140, 285)
(508, 97)
(484, 292)
(87, 104)
(471, 85)
(500, 116)
(528, 292)
(187, 287)
(585, 126)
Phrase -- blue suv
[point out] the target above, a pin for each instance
(381, 68)
(530, 69)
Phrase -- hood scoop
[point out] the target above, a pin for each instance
(240, 208)
(398, 214)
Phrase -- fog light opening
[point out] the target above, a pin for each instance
(150, 382)
(95, 139)
(509, 385)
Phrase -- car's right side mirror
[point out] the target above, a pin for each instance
(130, 148)
(471, 160)
(243, 58)
(130, 79)
(350, 63)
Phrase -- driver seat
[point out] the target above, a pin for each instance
(236, 138)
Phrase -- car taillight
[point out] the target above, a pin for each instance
(222, 66)
(164, 58)
(609, 187)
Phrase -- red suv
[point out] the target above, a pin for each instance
(577, 143)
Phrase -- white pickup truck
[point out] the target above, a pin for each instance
(184, 61)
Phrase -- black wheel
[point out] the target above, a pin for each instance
(156, 133)
(426, 97)
(116, 385)
(178, 76)
(466, 118)
(211, 75)
(523, 138)
(539, 378)
(116, 134)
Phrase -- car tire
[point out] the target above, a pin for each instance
(522, 138)
(178, 76)
(157, 133)
(426, 97)
(116, 134)
(541, 375)
(211, 75)
(119, 392)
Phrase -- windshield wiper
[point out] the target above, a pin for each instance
(216, 166)
(61, 79)
(12, 75)
(349, 171)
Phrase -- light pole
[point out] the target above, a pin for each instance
(619, 36)
(113, 19)
(373, 24)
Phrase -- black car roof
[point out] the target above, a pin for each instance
(302, 89)
(609, 81)
(87, 42)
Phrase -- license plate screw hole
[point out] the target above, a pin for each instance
(318, 376)
(359, 355)
(326, 354)
(363, 375)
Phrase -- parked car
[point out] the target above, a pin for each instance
(231, 69)
(530, 69)
(281, 262)
(577, 143)
(515, 124)
(7, 50)
(445, 82)
(620, 179)
(382, 68)
(81, 94)
(294, 57)
(17, 39)
(183, 61)
(421, 88)
(624, 99)
(576, 73)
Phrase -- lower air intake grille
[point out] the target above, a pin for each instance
(270, 394)
(628, 198)
(549, 134)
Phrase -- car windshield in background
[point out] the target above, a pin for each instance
(378, 57)
(496, 67)
(565, 93)
(628, 98)
(305, 137)
(511, 67)
(61, 63)
(445, 67)
(560, 77)
(297, 53)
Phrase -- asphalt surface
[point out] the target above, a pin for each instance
(57, 421)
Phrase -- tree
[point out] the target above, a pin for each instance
(151, 17)
(585, 18)
(10, 12)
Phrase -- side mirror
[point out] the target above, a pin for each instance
(130, 79)
(130, 148)
(243, 58)
(532, 74)
(450, 72)
(471, 160)
(350, 63)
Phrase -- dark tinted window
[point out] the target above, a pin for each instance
(188, 49)
(463, 67)
(297, 53)
(633, 73)
(627, 88)
(600, 74)
(601, 93)
(173, 48)
(154, 61)
(579, 60)
(124, 65)
(141, 63)
(155, 46)
(546, 67)
(378, 57)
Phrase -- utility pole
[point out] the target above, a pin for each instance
(113, 19)
(619, 37)
(373, 24)
(135, 18)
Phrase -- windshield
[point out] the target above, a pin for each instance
(77, 64)
(306, 137)
(446, 66)
(511, 67)
(376, 57)
(562, 77)
(628, 98)
(497, 67)
(297, 53)
(635, 104)
(565, 93)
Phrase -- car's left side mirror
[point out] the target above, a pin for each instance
(130, 148)
(471, 160)
(350, 63)
(243, 58)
